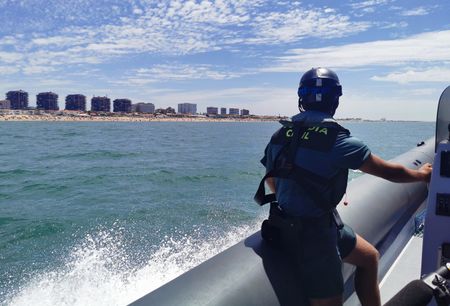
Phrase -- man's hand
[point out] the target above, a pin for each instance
(395, 172)
(425, 170)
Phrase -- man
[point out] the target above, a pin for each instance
(307, 162)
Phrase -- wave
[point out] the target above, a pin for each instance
(31, 230)
(98, 271)
(7, 220)
(13, 173)
(48, 188)
(203, 177)
(94, 155)
(71, 134)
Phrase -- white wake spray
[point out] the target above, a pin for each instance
(98, 271)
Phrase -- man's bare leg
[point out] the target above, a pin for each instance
(365, 257)
(333, 301)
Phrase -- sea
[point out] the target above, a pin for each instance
(101, 213)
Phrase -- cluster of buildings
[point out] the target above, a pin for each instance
(49, 101)
(191, 108)
(18, 100)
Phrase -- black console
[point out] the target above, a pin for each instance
(443, 204)
(445, 164)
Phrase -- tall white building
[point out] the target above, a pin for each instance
(212, 110)
(145, 108)
(234, 111)
(187, 108)
(245, 112)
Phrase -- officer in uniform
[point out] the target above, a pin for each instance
(307, 162)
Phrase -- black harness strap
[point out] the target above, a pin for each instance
(308, 179)
(284, 170)
(337, 219)
(293, 146)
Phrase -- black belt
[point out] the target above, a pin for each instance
(279, 218)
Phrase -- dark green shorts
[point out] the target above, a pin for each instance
(319, 259)
(346, 241)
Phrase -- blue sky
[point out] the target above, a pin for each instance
(392, 56)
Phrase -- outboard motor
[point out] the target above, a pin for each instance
(436, 241)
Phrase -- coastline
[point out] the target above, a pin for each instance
(50, 118)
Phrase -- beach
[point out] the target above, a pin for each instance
(131, 118)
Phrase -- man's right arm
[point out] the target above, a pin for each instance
(395, 172)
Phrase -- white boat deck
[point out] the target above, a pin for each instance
(405, 269)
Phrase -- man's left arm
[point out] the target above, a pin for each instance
(270, 181)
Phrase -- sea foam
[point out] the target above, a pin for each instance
(98, 270)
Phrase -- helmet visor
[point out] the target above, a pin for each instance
(322, 87)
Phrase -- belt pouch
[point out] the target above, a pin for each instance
(271, 234)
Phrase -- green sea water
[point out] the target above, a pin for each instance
(101, 213)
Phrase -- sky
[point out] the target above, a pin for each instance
(392, 56)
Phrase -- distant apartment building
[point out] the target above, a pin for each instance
(76, 102)
(145, 108)
(18, 99)
(122, 106)
(5, 104)
(212, 110)
(187, 108)
(47, 101)
(234, 111)
(245, 112)
(101, 104)
(223, 111)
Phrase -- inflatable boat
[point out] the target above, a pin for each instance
(388, 215)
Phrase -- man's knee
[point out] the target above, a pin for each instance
(373, 256)
(333, 301)
(370, 258)
(364, 255)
